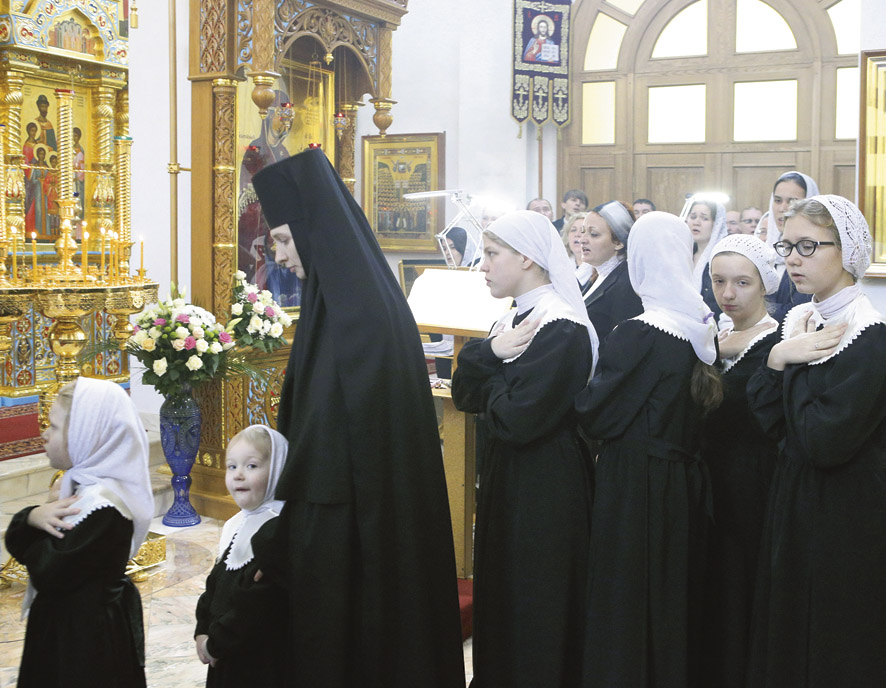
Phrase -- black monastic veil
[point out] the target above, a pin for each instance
(364, 544)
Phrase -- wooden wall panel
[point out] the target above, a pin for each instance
(753, 185)
(667, 185)
(844, 181)
(599, 184)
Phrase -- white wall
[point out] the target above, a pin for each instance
(149, 128)
(873, 37)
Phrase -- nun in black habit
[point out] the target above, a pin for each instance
(364, 543)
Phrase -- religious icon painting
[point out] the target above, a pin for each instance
(396, 165)
(872, 157)
(541, 72)
(298, 117)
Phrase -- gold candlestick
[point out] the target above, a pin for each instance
(101, 243)
(14, 237)
(84, 256)
(34, 255)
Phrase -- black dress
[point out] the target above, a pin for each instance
(85, 625)
(247, 625)
(533, 509)
(820, 610)
(613, 301)
(740, 457)
(707, 293)
(364, 543)
(650, 513)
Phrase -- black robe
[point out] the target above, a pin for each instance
(613, 301)
(820, 609)
(247, 625)
(533, 509)
(85, 625)
(364, 544)
(650, 513)
(740, 457)
(707, 292)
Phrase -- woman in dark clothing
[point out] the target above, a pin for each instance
(820, 604)
(85, 615)
(651, 501)
(364, 543)
(609, 297)
(534, 501)
(739, 455)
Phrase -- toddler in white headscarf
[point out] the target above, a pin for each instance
(84, 614)
(241, 622)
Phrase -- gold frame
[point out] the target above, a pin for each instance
(430, 150)
(872, 154)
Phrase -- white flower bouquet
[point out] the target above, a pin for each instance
(257, 320)
(179, 344)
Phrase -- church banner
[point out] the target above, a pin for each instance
(541, 62)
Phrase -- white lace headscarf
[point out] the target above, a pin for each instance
(761, 255)
(718, 231)
(855, 235)
(242, 526)
(660, 268)
(773, 235)
(532, 234)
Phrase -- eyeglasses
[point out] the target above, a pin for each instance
(805, 248)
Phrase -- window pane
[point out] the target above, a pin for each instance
(686, 34)
(598, 112)
(846, 18)
(765, 111)
(677, 114)
(847, 103)
(759, 28)
(604, 43)
(629, 6)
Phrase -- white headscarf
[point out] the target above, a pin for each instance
(773, 235)
(855, 235)
(761, 255)
(532, 234)
(718, 231)
(756, 235)
(243, 525)
(660, 268)
(108, 447)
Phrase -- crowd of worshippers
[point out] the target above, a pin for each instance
(664, 499)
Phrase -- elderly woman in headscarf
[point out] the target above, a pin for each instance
(707, 222)
(739, 455)
(789, 188)
(820, 604)
(364, 542)
(654, 383)
(534, 500)
(609, 297)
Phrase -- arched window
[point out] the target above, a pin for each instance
(677, 96)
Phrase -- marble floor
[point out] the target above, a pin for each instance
(169, 597)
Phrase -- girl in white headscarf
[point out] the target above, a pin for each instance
(820, 607)
(707, 222)
(84, 614)
(534, 499)
(651, 502)
(241, 623)
(789, 188)
(739, 455)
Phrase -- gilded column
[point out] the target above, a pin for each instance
(15, 175)
(263, 74)
(65, 98)
(347, 146)
(103, 195)
(122, 188)
(382, 102)
(224, 235)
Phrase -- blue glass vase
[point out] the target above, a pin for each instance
(180, 437)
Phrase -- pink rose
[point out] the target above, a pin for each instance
(190, 342)
(135, 328)
(269, 311)
(183, 318)
(224, 337)
(159, 322)
(252, 298)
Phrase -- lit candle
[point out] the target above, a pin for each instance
(84, 260)
(141, 254)
(101, 242)
(34, 254)
(14, 237)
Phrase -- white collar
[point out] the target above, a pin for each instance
(607, 267)
(531, 298)
(729, 363)
(858, 314)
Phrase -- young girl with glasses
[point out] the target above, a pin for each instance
(820, 601)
